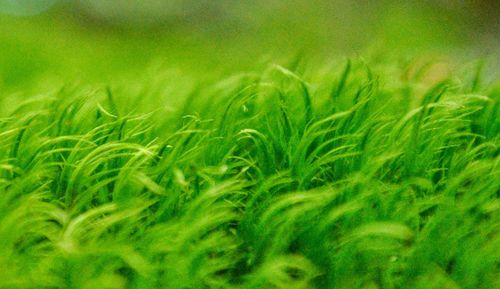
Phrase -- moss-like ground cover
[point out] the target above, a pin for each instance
(354, 176)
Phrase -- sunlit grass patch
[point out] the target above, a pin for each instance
(361, 176)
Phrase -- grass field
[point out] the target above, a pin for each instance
(356, 177)
(130, 161)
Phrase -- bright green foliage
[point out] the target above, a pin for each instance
(348, 178)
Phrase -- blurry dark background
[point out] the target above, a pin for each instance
(100, 41)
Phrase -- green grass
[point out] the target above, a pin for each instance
(353, 176)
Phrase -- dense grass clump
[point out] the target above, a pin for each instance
(352, 177)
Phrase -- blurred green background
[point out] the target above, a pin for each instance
(47, 42)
